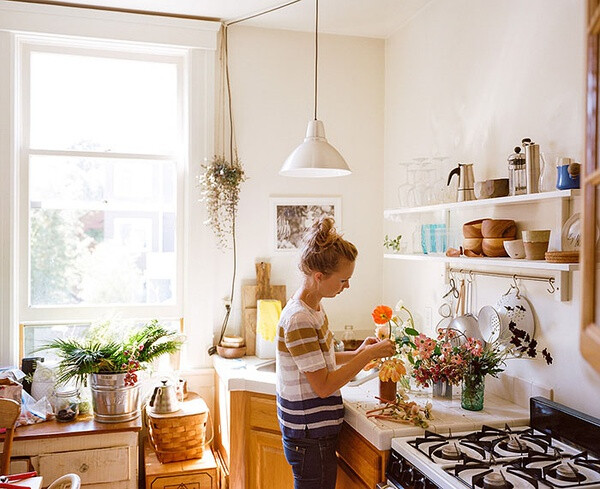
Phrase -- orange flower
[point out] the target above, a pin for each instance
(382, 314)
(392, 369)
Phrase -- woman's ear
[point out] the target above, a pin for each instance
(317, 277)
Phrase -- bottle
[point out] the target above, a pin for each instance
(349, 333)
(548, 174)
(338, 345)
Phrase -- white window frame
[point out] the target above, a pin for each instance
(26, 45)
(193, 44)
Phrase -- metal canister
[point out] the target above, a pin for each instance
(532, 165)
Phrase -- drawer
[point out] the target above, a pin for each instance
(263, 413)
(206, 479)
(93, 466)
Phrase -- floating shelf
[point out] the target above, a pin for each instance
(466, 262)
(516, 199)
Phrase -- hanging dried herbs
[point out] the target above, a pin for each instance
(220, 184)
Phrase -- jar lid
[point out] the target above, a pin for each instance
(66, 392)
(517, 158)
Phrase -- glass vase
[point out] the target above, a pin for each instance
(442, 389)
(387, 390)
(473, 387)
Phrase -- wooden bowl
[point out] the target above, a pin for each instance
(473, 244)
(499, 228)
(229, 352)
(472, 229)
(494, 247)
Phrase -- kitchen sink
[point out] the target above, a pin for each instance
(363, 376)
(266, 367)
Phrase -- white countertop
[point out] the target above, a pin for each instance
(244, 374)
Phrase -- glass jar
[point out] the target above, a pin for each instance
(517, 173)
(66, 404)
(338, 345)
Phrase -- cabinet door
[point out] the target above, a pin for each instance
(347, 479)
(267, 468)
(590, 257)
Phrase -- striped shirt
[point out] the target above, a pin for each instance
(305, 344)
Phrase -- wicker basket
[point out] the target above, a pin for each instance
(180, 435)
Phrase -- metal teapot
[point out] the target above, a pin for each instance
(164, 399)
(466, 181)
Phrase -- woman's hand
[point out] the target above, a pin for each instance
(367, 341)
(381, 349)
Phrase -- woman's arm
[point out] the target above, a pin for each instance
(325, 382)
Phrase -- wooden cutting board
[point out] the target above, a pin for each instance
(250, 294)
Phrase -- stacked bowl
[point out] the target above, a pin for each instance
(495, 233)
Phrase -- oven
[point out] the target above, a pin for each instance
(560, 449)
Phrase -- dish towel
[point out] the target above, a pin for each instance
(267, 318)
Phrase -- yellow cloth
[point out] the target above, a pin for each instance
(267, 318)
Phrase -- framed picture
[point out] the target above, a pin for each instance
(291, 217)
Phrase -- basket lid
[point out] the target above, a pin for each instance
(194, 404)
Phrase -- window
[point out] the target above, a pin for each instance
(105, 118)
(100, 181)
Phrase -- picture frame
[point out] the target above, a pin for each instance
(291, 217)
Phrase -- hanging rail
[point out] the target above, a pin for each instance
(514, 276)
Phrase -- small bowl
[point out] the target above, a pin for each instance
(535, 250)
(515, 248)
(472, 229)
(498, 228)
(229, 352)
(537, 236)
(473, 244)
(494, 247)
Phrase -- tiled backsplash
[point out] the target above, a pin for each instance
(515, 389)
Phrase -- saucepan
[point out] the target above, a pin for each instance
(465, 322)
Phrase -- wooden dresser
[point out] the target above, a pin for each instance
(105, 456)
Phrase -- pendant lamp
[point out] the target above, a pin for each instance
(315, 157)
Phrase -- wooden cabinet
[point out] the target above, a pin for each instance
(105, 456)
(267, 467)
(590, 257)
(248, 437)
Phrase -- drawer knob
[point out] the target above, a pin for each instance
(84, 468)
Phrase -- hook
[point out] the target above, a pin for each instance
(515, 285)
(471, 276)
(552, 289)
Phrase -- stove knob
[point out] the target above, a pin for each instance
(408, 474)
(421, 483)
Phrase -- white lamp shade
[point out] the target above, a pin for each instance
(315, 157)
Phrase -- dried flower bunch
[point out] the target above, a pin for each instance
(220, 185)
(80, 357)
(401, 410)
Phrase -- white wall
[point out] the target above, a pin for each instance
(469, 79)
(272, 88)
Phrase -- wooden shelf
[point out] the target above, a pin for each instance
(491, 262)
(511, 200)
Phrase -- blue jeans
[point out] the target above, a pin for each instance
(313, 461)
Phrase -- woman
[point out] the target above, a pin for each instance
(309, 404)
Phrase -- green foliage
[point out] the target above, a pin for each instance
(96, 354)
(392, 244)
(220, 184)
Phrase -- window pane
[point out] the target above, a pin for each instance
(102, 231)
(103, 104)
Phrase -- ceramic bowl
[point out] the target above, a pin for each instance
(489, 189)
(537, 236)
(535, 250)
(515, 248)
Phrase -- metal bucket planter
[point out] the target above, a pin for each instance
(113, 401)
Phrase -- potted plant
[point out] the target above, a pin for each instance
(112, 367)
(220, 184)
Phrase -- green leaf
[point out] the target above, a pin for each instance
(412, 332)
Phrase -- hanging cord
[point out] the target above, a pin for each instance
(316, 50)
(258, 14)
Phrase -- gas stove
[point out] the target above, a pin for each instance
(559, 449)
